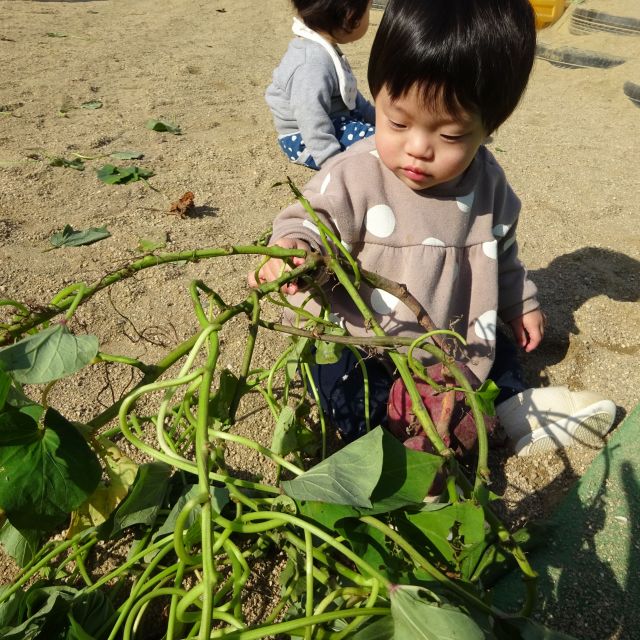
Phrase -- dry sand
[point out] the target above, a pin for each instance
(571, 152)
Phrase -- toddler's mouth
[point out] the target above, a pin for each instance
(413, 173)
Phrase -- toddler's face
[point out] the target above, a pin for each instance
(422, 146)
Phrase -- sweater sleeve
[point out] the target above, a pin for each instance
(517, 293)
(334, 210)
(311, 88)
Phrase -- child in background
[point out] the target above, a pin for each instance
(316, 106)
(424, 203)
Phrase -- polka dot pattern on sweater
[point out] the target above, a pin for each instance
(500, 230)
(311, 226)
(490, 249)
(383, 302)
(485, 326)
(465, 202)
(433, 242)
(380, 221)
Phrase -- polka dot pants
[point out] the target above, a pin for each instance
(348, 129)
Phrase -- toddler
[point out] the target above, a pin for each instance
(316, 107)
(425, 204)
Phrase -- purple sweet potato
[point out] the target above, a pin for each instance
(449, 411)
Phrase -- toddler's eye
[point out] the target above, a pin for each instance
(454, 137)
(396, 125)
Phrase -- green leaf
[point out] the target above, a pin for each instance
(43, 614)
(380, 629)
(149, 246)
(486, 396)
(111, 174)
(284, 439)
(127, 155)
(220, 403)
(91, 104)
(76, 163)
(457, 531)
(144, 501)
(5, 386)
(69, 237)
(20, 545)
(48, 355)
(327, 514)
(405, 477)
(327, 352)
(163, 125)
(420, 619)
(45, 473)
(89, 613)
(9, 608)
(122, 472)
(374, 548)
(300, 345)
(348, 477)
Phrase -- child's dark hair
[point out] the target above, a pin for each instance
(474, 55)
(330, 15)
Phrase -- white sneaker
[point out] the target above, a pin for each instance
(551, 418)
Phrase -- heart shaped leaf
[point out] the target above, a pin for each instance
(48, 355)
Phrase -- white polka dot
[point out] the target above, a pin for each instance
(433, 242)
(350, 136)
(310, 225)
(380, 221)
(490, 249)
(325, 183)
(485, 325)
(375, 153)
(465, 202)
(361, 134)
(383, 302)
(294, 138)
(500, 230)
(507, 243)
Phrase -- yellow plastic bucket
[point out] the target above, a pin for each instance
(547, 11)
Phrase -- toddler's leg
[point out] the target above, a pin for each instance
(342, 395)
(295, 149)
(350, 129)
(547, 418)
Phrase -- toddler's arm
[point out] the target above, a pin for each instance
(274, 267)
(528, 329)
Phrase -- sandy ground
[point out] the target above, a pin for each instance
(571, 152)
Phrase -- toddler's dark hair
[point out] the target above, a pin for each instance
(474, 55)
(330, 15)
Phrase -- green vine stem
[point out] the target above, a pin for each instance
(71, 295)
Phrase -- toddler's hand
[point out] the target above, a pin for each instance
(528, 329)
(275, 267)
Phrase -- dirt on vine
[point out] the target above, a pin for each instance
(570, 151)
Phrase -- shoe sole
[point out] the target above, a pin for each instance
(588, 431)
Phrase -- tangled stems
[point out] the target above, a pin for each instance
(219, 564)
(75, 294)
